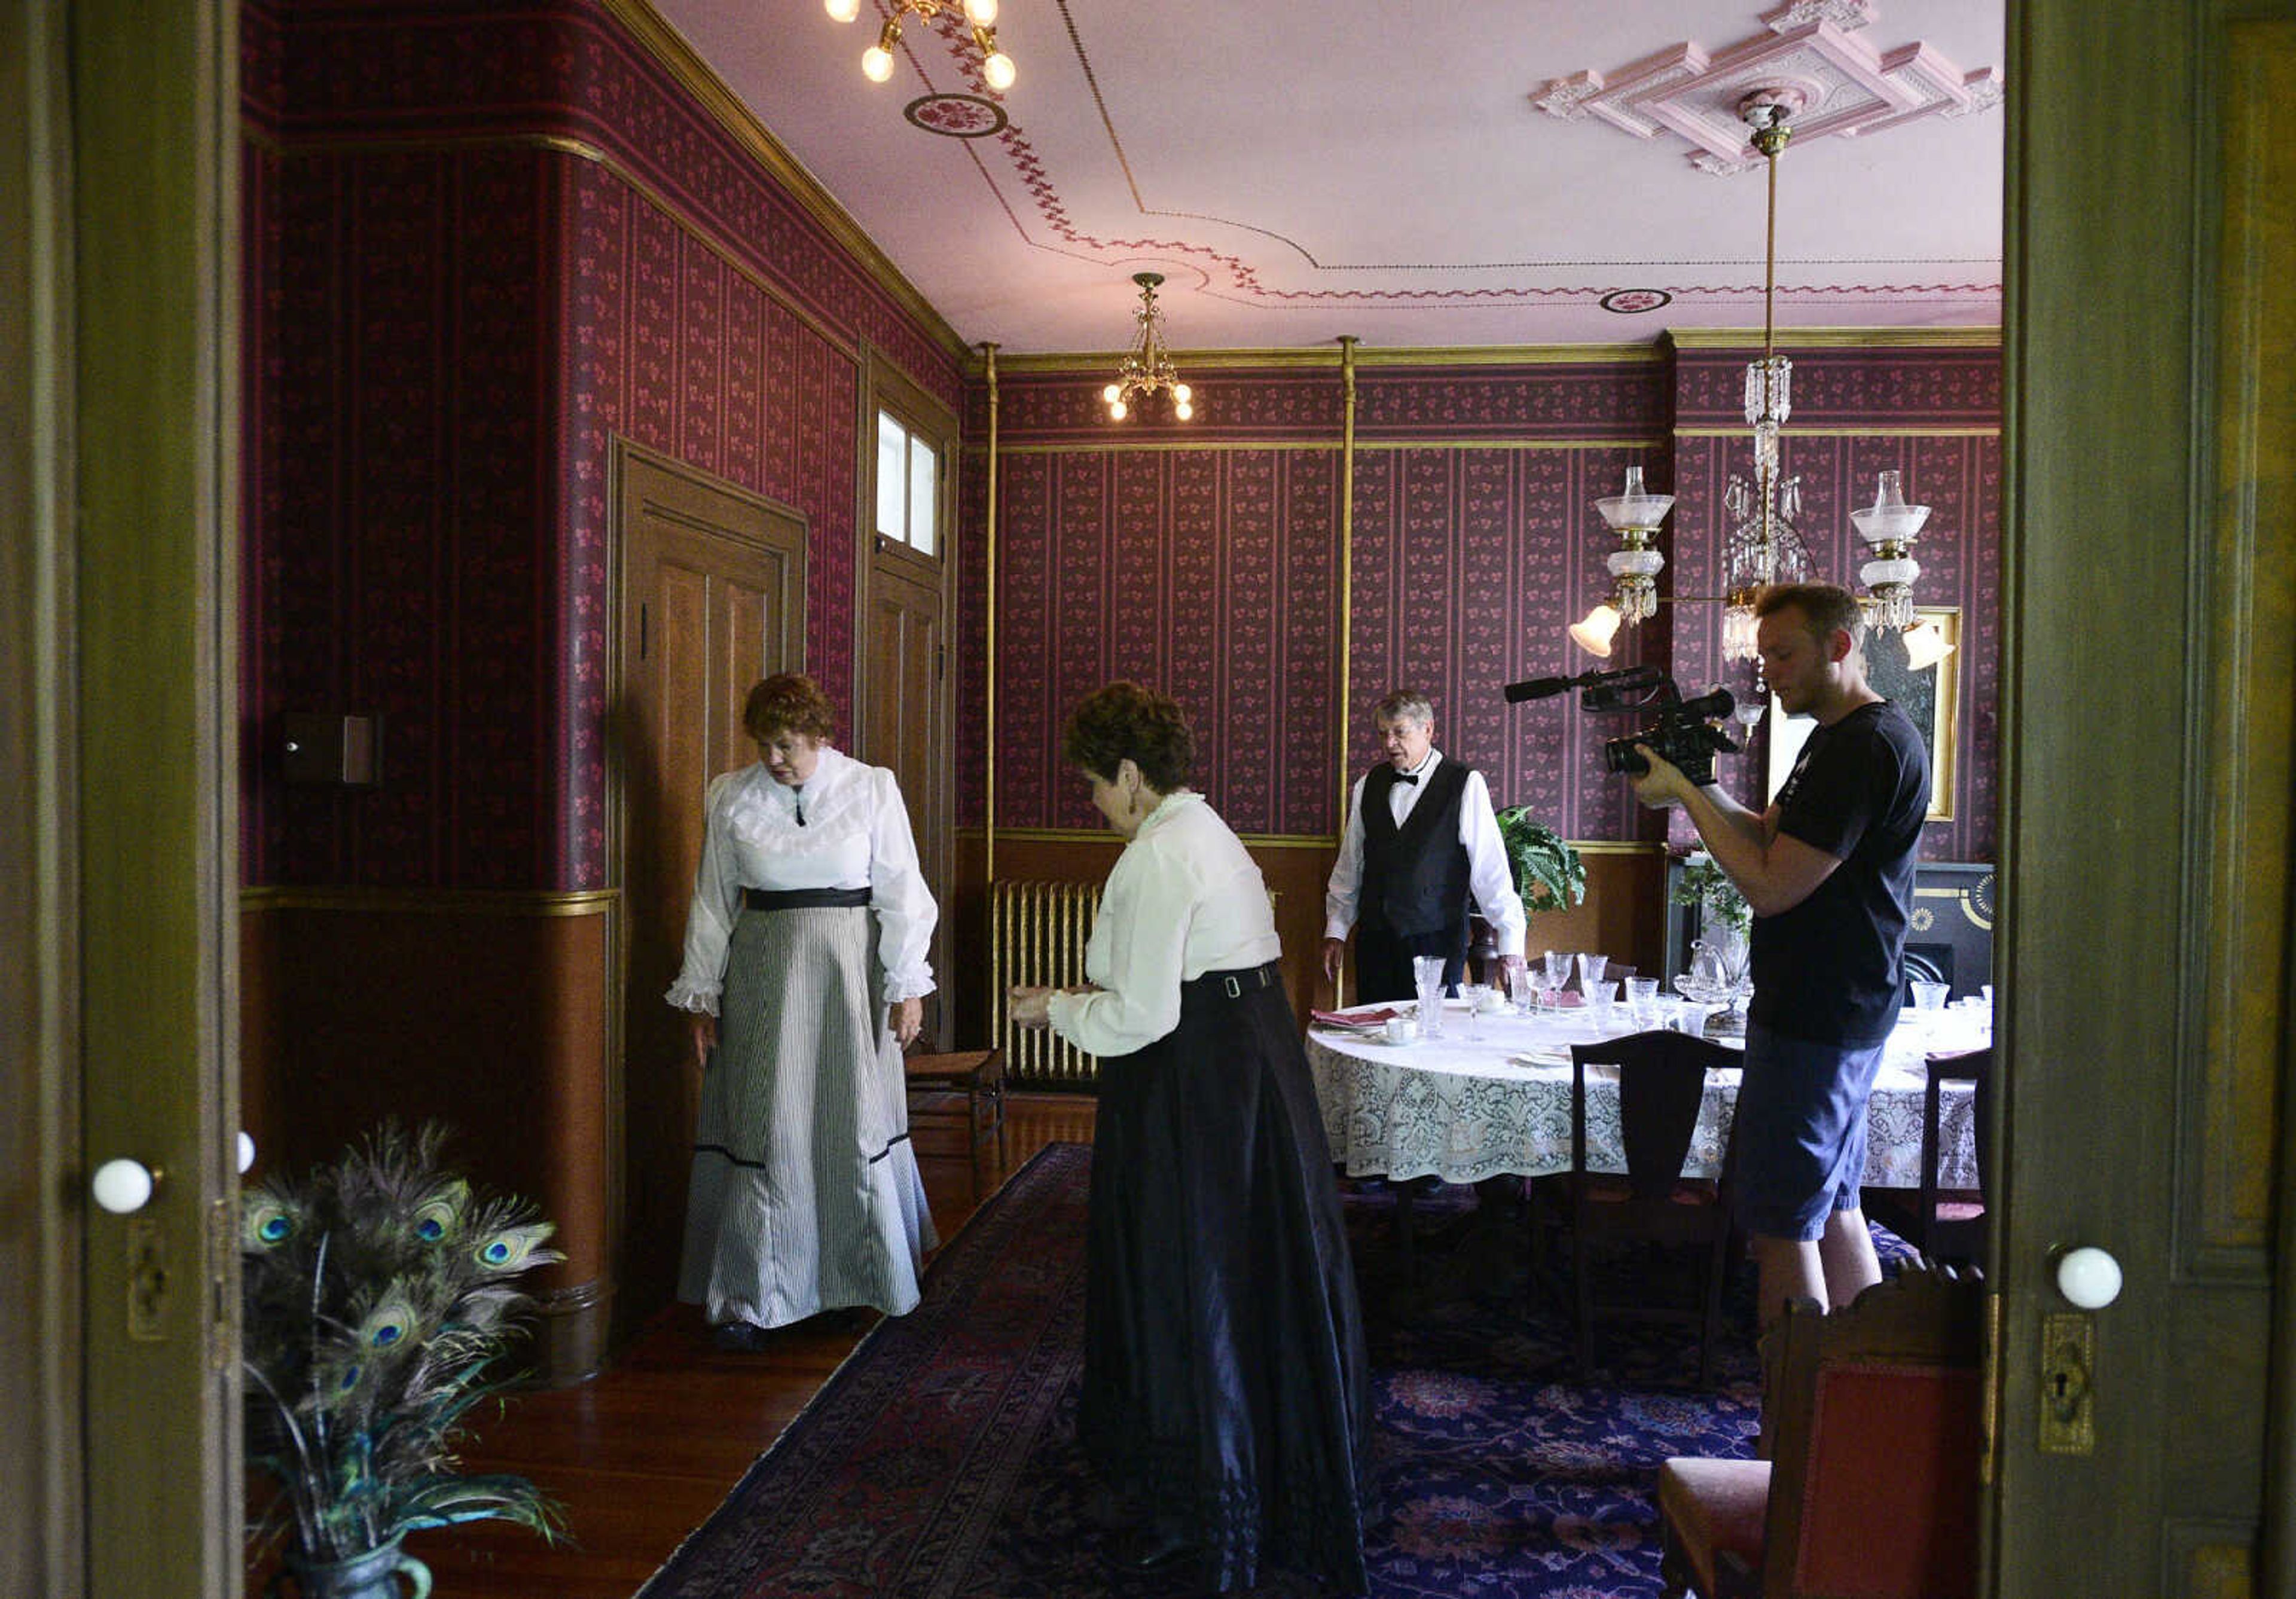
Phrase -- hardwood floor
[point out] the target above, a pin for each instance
(642, 1454)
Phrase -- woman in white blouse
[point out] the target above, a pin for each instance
(1226, 1401)
(805, 973)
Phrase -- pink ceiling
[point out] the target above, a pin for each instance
(1483, 172)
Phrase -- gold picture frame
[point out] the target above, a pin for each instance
(1932, 697)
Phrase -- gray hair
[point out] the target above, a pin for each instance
(1404, 705)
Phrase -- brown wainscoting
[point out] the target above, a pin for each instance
(487, 1011)
(1624, 914)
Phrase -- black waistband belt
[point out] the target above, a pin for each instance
(1235, 985)
(803, 899)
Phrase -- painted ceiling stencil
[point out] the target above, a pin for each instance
(1812, 48)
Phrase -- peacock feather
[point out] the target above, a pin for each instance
(380, 1308)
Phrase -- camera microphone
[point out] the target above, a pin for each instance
(1541, 688)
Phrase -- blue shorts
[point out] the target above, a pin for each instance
(1801, 1132)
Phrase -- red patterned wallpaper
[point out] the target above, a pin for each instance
(1214, 572)
(446, 318)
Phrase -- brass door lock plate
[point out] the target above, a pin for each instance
(2068, 1384)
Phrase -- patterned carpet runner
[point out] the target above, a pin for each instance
(940, 1462)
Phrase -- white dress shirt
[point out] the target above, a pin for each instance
(856, 836)
(1184, 898)
(1489, 878)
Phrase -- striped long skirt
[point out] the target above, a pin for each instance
(805, 1195)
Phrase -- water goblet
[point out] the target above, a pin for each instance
(1591, 967)
(1557, 973)
(1427, 970)
(1641, 999)
(1476, 995)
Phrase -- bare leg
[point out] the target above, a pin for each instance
(1847, 1251)
(1785, 1268)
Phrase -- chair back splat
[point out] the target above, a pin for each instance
(1873, 1417)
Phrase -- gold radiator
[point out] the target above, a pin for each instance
(1037, 934)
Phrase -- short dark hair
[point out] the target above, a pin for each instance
(1825, 606)
(789, 702)
(1126, 722)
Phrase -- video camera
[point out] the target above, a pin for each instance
(1683, 735)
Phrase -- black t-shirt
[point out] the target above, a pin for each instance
(1828, 970)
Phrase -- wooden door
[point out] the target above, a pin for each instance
(2143, 957)
(905, 725)
(713, 599)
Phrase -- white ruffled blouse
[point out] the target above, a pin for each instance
(856, 836)
(1185, 898)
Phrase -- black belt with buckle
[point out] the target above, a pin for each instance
(803, 899)
(1235, 985)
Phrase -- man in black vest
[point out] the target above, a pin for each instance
(1421, 838)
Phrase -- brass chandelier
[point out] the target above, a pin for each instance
(1763, 545)
(1148, 368)
(997, 68)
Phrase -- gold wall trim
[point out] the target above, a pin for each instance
(1969, 338)
(1796, 430)
(457, 902)
(1094, 363)
(1361, 446)
(676, 57)
(1271, 841)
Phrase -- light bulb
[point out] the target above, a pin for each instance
(997, 68)
(982, 13)
(876, 63)
(1112, 394)
(1116, 410)
(1183, 410)
(1182, 393)
(841, 11)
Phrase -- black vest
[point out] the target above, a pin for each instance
(1415, 877)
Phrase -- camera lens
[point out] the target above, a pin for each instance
(1620, 755)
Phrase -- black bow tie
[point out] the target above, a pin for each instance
(1409, 777)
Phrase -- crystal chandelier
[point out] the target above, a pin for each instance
(997, 68)
(1764, 547)
(1148, 369)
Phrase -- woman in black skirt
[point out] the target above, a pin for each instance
(1226, 1399)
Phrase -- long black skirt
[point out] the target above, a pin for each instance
(1226, 1390)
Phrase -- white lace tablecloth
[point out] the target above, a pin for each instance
(1463, 1110)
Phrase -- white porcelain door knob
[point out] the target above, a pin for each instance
(246, 1151)
(123, 1187)
(2088, 1278)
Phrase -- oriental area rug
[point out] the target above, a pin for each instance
(940, 1461)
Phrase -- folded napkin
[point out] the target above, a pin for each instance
(1541, 1055)
(1362, 1019)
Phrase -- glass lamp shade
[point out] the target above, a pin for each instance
(997, 70)
(877, 63)
(1632, 507)
(1889, 520)
(1593, 633)
(1116, 411)
(981, 13)
(1925, 646)
(1635, 563)
(842, 11)
(1183, 410)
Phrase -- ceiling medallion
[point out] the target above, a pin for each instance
(1849, 88)
(957, 116)
(1634, 302)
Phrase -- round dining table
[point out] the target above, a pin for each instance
(1491, 1097)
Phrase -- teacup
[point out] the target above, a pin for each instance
(1401, 1029)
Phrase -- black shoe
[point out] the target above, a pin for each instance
(740, 1338)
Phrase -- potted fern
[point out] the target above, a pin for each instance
(380, 1307)
(1548, 873)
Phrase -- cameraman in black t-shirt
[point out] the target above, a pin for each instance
(1828, 869)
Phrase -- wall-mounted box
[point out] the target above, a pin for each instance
(345, 751)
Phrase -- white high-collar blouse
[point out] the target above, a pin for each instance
(856, 836)
(1185, 898)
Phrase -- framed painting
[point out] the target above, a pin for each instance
(1931, 697)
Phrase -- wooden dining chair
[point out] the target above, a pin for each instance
(1948, 1224)
(1653, 1207)
(1871, 1424)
